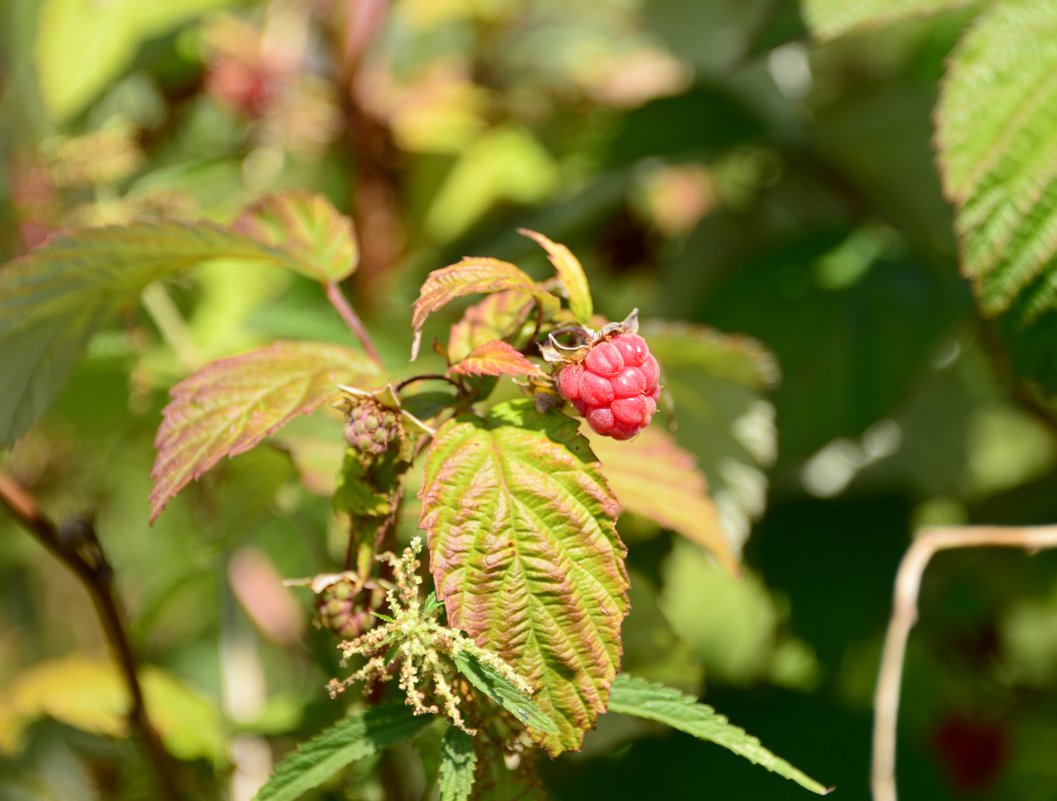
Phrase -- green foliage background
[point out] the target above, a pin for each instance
(708, 161)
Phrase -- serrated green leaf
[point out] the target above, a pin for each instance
(654, 478)
(724, 419)
(644, 699)
(570, 273)
(229, 406)
(82, 45)
(997, 141)
(317, 237)
(54, 298)
(525, 555)
(500, 315)
(493, 684)
(495, 358)
(356, 737)
(469, 277)
(90, 694)
(457, 765)
(828, 19)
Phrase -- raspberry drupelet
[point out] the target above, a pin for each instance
(615, 385)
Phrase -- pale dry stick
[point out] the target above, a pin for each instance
(904, 615)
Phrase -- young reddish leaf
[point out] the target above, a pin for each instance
(467, 277)
(229, 406)
(54, 298)
(570, 273)
(495, 358)
(318, 239)
(498, 316)
(525, 555)
(654, 478)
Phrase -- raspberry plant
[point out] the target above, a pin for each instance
(514, 634)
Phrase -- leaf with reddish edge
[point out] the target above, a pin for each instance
(499, 316)
(654, 478)
(229, 406)
(496, 358)
(525, 555)
(472, 275)
(319, 239)
(570, 273)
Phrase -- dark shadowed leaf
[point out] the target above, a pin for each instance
(493, 684)
(229, 406)
(525, 555)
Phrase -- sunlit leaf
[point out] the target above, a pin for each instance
(457, 765)
(89, 693)
(498, 316)
(468, 277)
(356, 737)
(318, 239)
(229, 406)
(829, 19)
(570, 273)
(724, 418)
(525, 555)
(495, 358)
(997, 141)
(632, 696)
(493, 684)
(654, 478)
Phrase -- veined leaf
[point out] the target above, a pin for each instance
(725, 421)
(90, 694)
(495, 358)
(997, 141)
(829, 19)
(229, 406)
(632, 696)
(570, 273)
(317, 237)
(356, 737)
(654, 478)
(493, 684)
(457, 765)
(498, 316)
(468, 277)
(525, 555)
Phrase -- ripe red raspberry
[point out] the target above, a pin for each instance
(615, 386)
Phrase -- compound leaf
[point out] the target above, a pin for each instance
(997, 141)
(230, 405)
(356, 737)
(318, 239)
(655, 478)
(526, 557)
(457, 765)
(495, 358)
(644, 699)
(570, 273)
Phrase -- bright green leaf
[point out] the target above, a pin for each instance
(525, 555)
(457, 764)
(632, 696)
(829, 19)
(493, 684)
(495, 358)
(654, 478)
(229, 406)
(570, 273)
(318, 239)
(997, 141)
(356, 737)
(90, 694)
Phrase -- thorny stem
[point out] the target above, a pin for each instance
(348, 314)
(904, 615)
(83, 554)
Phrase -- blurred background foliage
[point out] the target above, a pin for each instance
(708, 163)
